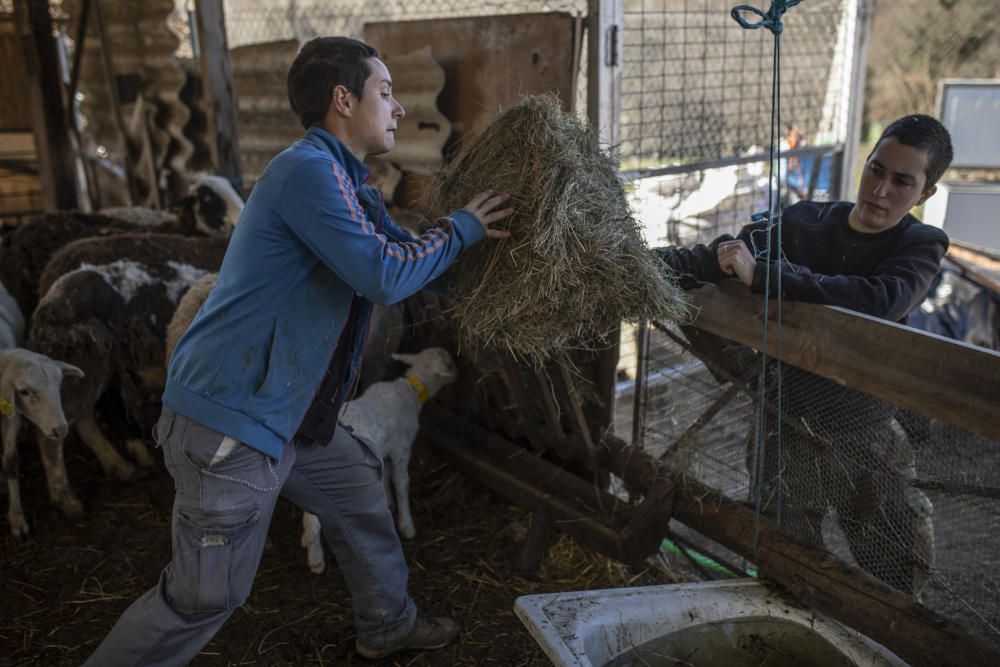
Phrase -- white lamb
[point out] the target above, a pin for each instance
(30, 388)
(388, 415)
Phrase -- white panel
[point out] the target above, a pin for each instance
(968, 212)
(971, 112)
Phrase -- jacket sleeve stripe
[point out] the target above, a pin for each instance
(426, 244)
(351, 199)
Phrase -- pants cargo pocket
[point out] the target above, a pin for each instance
(212, 567)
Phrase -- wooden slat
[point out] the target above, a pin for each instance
(849, 595)
(44, 95)
(217, 76)
(929, 374)
(576, 507)
(15, 109)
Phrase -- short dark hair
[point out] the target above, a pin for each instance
(926, 134)
(322, 64)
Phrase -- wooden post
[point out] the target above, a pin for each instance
(605, 24)
(52, 141)
(536, 545)
(574, 506)
(217, 81)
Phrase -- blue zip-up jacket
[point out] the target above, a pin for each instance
(310, 237)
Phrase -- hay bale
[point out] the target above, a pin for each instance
(576, 264)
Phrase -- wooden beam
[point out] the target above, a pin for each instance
(55, 153)
(575, 506)
(217, 82)
(929, 374)
(915, 633)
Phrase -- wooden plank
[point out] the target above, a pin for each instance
(915, 633)
(576, 507)
(55, 155)
(489, 61)
(533, 551)
(525, 418)
(217, 80)
(15, 111)
(930, 374)
(572, 406)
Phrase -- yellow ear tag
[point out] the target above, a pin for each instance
(6, 408)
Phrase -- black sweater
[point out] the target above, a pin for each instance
(825, 261)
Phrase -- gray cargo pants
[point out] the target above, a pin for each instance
(222, 510)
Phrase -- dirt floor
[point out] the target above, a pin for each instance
(64, 587)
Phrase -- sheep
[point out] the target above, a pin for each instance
(388, 415)
(29, 388)
(187, 308)
(109, 318)
(154, 250)
(211, 209)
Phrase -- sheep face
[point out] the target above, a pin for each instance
(31, 385)
(217, 205)
(434, 366)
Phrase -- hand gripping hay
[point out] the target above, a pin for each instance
(576, 264)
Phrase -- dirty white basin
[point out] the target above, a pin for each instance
(726, 623)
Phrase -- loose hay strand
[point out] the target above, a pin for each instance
(576, 264)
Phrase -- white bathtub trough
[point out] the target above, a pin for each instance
(725, 623)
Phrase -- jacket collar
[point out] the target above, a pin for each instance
(355, 168)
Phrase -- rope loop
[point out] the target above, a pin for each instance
(771, 19)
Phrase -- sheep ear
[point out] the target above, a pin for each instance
(407, 359)
(69, 370)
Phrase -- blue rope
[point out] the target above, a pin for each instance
(772, 21)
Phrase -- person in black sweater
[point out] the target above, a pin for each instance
(840, 448)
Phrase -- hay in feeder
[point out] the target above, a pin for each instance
(576, 264)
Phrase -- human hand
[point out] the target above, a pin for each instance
(735, 259)
(482, 206)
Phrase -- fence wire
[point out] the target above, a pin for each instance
(913, 501)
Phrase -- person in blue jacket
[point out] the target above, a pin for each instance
(255, 385)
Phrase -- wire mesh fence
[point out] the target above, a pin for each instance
(696, 112)
(914, 502)
(696, 87)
